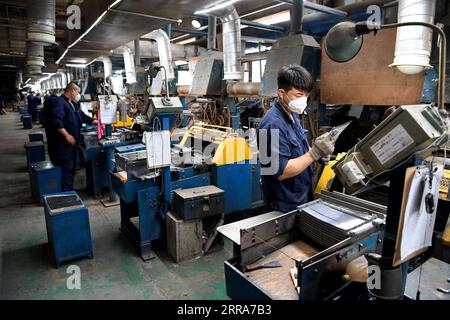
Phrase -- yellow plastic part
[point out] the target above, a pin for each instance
(445, 182)
(232, 150)
(327, 174)
(121, 124)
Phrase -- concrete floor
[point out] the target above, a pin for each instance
(116, 272)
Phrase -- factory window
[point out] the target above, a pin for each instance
(258, 70)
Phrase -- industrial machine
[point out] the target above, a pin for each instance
(303, 254)
(207, 155)
(408, 130)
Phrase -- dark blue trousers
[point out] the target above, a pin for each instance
(64, 156)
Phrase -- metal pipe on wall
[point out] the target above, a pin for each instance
(242, 89)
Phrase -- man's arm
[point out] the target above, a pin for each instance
(56, 115)
(70, 139)
(85, 118)
(322, 146)
(281, 153)
(296, 166)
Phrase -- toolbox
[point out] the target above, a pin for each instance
(68, 229)
(184, 237)
(198, 203)
(45, 178)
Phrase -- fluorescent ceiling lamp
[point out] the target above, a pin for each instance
(275, 18)
(99, 19)
(187, 41)
(262, 10)
(217, 6)
(196, 24)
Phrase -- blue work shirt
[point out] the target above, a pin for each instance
(285, 195)
(69, 116)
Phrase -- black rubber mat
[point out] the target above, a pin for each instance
(63, 201)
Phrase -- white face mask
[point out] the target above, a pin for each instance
(77, 98)
(298, 105)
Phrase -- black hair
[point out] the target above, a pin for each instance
(295, 76)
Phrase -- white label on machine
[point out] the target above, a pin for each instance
(108, 109)
(353, 173)
(392, 144)
(158, 149)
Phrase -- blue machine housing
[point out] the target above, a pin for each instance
(45, 178)
(68, 230)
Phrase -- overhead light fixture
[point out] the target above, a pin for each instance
(196, 24)
(343, 42)
(275, 18)
(190, 40)
(217, 6)
(262, 10)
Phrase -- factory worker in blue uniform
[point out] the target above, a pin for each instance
(32, 106)
(287, 177)
(63, 127)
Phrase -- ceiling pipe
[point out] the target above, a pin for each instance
(296, 16)
(212, 33)
(231, 33)
(164, 51)
(149, 49)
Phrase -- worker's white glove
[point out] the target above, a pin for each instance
(322, 147)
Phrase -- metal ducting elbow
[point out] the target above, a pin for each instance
(107, 66)
(164, 50)
(414, 43)
(41, 21)
(130, 69)
(231, 33)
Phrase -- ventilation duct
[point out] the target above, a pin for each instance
(35, 58)
(130, 69)
(231, 33)
(414, 43)
(19, 79)
(164, 51)
(41, 21)
(107, 66)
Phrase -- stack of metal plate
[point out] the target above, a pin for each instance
(327, 224)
